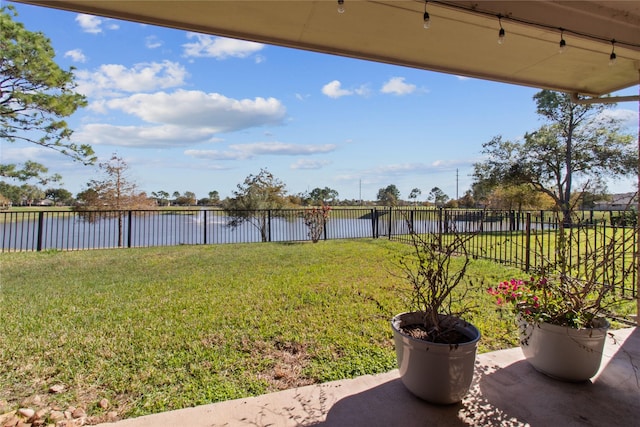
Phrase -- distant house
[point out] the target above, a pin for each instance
(618, 202)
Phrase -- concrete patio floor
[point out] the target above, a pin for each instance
(506, 391)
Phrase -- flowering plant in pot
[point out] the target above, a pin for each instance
(435, 346)
(561, 310)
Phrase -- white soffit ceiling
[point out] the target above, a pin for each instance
(462, 38)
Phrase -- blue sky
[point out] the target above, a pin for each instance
(191, 112)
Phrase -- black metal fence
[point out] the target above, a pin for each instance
(64, 230)
(597, 243)
(522, 239)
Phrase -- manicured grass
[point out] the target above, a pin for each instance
(156, 329)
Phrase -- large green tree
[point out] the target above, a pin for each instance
(437, 196)
(323, 196)
(162, 197)
(35, 93)
(27, 193)
(389, 195)
(578, 143)
(254, 200)
(415, 193)
(59, 196)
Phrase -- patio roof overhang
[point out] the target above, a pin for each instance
(462, 38)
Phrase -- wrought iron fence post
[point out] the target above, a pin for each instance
(269, 225)
(204, 223)
(40, 230)
(374, 214)
(389, 227)
(411, 219)
(527, 243)
(129, 228)
(440, 226)
(324, 227)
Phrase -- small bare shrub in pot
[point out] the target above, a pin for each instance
(435, 346)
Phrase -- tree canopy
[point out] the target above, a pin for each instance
(115, 192)
(437, 196)
(415, 193)
(35, 93)
(253, 199)
(30, 170)
(25, 194)
(578, 144)
(323, 196)
(388, 196)
(113, 195)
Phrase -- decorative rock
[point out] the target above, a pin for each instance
(78, 422)
(9, 419)
(67, 415)
(56, 416)
(104, 403)
(112, 416)
(39, 415)
(26, 412)
(78, 413)
(58, 388)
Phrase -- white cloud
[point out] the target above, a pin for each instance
(249, 151)
(76, 55)
(110, 79)
(401, 169)
(152, 42)
(397, 86)
(93, 25)
(334, 90)
(186, 118)
(281, 148)
(627, 118)
(206, 46)
(13, 154)
(215, 154)
(200, 109)
(142, 136)
(310, 164)
(89, 23)
(362, 90)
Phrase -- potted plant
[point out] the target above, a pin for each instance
(435, 346)
(561, 311)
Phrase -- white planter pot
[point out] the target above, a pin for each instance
(562, 352)
(437, 373)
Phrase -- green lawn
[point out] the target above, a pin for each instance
(157, 329)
